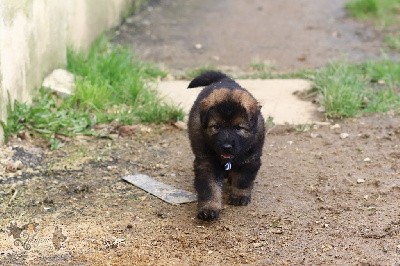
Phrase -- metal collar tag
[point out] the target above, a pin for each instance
(228, 166)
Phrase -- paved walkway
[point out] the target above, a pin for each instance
(276, 97)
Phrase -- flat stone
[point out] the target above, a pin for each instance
(276, 97)
(60, 81)
(161, 190)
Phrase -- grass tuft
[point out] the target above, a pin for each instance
(354, 89)
(363, 8)
(192, 73)
(115, 85)
(47, 117)
(384, 12)
(393, 41)
(112, 76)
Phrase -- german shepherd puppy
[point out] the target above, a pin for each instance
(226, 132)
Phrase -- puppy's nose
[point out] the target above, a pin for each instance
(227, 147)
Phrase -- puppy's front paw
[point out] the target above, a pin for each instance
(239, 200)
(208, 215)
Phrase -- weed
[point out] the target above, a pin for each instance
(269, 122)
(46, 117)
(266, 70)
(191, 74)
(261, 70)
(393, 41)
(302, 127)
(384, 12)
(261, 66)
(362, 8)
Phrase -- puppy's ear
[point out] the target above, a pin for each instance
(253, 115)
(204, 118)
(254, 109)
(206, 106)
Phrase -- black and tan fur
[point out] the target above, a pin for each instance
(225, 125)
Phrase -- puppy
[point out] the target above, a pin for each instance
(226, 132)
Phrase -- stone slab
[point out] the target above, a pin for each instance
(275, 95)
(161, 190)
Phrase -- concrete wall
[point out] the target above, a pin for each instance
(35, 34)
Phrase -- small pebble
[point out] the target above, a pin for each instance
(146, 22)
(314, 135)
(322, 123)
(130, 20)
(335, 126)
(367, 159)
(360, 180)
(12, 167)
(198, 46)
(257, 245)
(276, 231)
(180, 125)
(344, 135)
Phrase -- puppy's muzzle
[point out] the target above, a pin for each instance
(227, 148)
(227, 151)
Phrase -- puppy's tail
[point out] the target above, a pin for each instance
(207, 78)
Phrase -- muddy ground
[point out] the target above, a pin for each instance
(325, 195)
(321, 197)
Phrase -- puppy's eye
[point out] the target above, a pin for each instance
(239, 128)
(214, 127)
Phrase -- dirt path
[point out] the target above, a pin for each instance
(320, 199)
(234, 33)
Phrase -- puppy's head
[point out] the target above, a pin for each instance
(229, 121)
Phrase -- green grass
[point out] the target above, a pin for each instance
(393, 41)
(265, 70)
(261, 66)
(355, 89)
(111, 75)
(363, 8)
(348, 90)
(384, 12)
(111, 84)
(261, 70)
(46, 117)
(192, 73)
